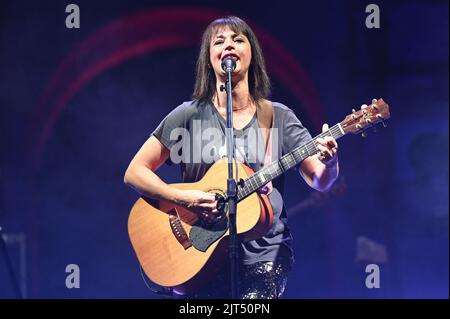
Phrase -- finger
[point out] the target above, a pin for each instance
(327, 139)
(210, 218)
(331, 142)
(321, 156)
(208, 206)
(333, 152)
(321, 148)
(324, 127)
(320, 153)
(206, 214)
(208, 197)
(324, 153)
(328, 154)
(320, 141)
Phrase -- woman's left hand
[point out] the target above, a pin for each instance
(327, 148)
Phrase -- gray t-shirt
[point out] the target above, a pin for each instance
(195, 134)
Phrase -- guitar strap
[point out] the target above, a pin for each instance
(266, 121)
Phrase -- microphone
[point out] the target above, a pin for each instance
(228, 64)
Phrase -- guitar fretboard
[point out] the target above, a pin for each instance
(289, 160)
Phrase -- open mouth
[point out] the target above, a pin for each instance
(233, 56)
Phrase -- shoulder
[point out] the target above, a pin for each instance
(285, 117)
(179, 117)
(189, 106)
(281, 110)
(277, 106)
(187, 109)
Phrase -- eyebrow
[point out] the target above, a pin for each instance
(220, 36)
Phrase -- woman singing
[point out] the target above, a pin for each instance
(266, 261)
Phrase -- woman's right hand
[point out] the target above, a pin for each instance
(201, 203)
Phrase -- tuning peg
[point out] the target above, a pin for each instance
(374, 101)
(368, 121)
(353, 111)
(382, 120)
(363, 106)
(364, 134)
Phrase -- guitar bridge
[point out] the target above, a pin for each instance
(178, 229)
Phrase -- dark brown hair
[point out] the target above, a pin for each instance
(205, 84)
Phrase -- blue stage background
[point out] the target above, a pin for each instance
(76, 104)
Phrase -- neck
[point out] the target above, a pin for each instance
(240, 94)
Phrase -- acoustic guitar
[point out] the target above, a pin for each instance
(177, 249)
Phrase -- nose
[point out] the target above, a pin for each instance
(229, 45)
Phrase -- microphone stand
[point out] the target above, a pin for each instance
(231, 184)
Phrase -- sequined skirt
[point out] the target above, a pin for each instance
(262, 280)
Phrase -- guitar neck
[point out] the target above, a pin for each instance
(289, 160)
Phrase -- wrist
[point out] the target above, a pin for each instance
(175, 195)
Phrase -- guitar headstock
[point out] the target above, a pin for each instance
(368, 116)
